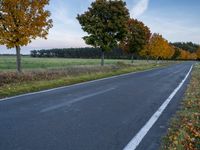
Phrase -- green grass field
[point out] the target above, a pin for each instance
(8, 63)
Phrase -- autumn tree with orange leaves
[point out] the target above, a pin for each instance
(193, 56)
(21, 21)
(198, 53)
(158, 48)
(137, 37)
(185, 55)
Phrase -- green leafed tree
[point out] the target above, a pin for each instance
(105, 22)
(137, 38)
(21, 21)
(177, 53)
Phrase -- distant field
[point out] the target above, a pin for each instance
(8, 63)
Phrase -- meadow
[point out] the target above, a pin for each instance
(8, 63)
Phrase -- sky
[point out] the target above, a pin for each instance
(176, 20)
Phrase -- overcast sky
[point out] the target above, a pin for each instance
(176, 20)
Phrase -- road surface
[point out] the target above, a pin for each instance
(100, 115)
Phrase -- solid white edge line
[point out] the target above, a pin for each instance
(86, 82)
(133, 144)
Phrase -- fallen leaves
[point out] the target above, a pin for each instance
(184, 132)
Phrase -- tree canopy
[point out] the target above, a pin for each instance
(158, 48)
(105, 22)
(21, 21)
(137, 37)
(187, 46)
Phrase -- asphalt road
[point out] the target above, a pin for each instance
(100, 115)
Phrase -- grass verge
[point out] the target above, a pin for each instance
(32, 82)
(184, 131)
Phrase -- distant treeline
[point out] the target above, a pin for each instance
(80, 53)
(182, 51)
(187, 46)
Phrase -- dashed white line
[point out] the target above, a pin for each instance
(133, 144)
(76, 100)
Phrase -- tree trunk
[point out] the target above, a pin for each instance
(18, 62)
(157, 61)
(132, 58)
(102, 58)
(147, 58)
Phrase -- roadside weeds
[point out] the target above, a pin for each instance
(184, 131)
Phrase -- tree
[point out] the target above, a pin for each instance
(188, 46)
(137, 37)
(105, 22)
(158, 48)
(177, 53)
(21, 21)
(145, 52)
(184, 55)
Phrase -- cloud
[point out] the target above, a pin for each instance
(173, 30)
(66, 31)
(61, 14)
(139, 8)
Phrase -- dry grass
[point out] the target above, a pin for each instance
(51, 74)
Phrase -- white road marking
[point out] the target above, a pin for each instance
(75, 100)
(133, 144)
(82, 83)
